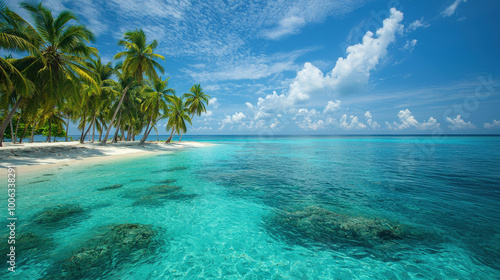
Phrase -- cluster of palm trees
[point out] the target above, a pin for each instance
(61, 79)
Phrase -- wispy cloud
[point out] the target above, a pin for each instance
(493, 124)
(293, 15)
(450, 10)
(419, 23)
(89, 12)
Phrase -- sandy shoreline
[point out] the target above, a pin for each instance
(35, 157)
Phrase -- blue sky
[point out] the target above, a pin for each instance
(319, 67)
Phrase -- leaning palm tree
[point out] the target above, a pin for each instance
(157, 96)
(178, 114)
(140, 60)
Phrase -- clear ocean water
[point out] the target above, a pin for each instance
(260, 208)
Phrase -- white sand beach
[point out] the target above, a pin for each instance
(31, 157)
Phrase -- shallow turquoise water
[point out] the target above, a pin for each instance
(237, 213)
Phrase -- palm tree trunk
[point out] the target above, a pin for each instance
(90, 126)
(8, 118)
(180, 139)
(122, 135)
(157, 139)
(12, 140)
(151, 128)
(17, 127)
(67, 127)
(32, 138)
(93, 131)
(100, 134)
(24, 133)
(50, 132)
(82, 138)
(116, 112)
(170, 138)
(146, 132)
(117, 130)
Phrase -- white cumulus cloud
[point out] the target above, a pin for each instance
(352, 123)
(408, 121)
(354, 70)
(459, 123)
(369, 121)
(213, 102)
(332, 106)
(493, 124)
(236, 118)
(349, 73)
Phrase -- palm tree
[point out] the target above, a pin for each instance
(56, 51)
(15, 35)
(156, 99)
(139, 60)
(197, 101)
(101, 73)
(178, 114)
(62, 47)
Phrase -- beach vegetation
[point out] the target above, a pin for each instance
(53, 77)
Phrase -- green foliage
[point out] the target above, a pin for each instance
(56, 131)
(61, 79)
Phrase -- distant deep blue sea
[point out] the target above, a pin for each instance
(358, 207)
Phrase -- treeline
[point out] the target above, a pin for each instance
(61, 79)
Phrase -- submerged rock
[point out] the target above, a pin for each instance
(158, 195)
(30, 247)
(112, 187)
(168, 181)
(329, 227)
(115, 246)
(58, 213)
(163, 189)
(171, 169)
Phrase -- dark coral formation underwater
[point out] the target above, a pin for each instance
(58, 214)
(113, 247)
(111, 187)
(316, 225)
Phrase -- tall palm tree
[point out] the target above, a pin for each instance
(157, 96)
(63, 49)
(101, 73)
(178, 114)
(196, 100)
(140, 60)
